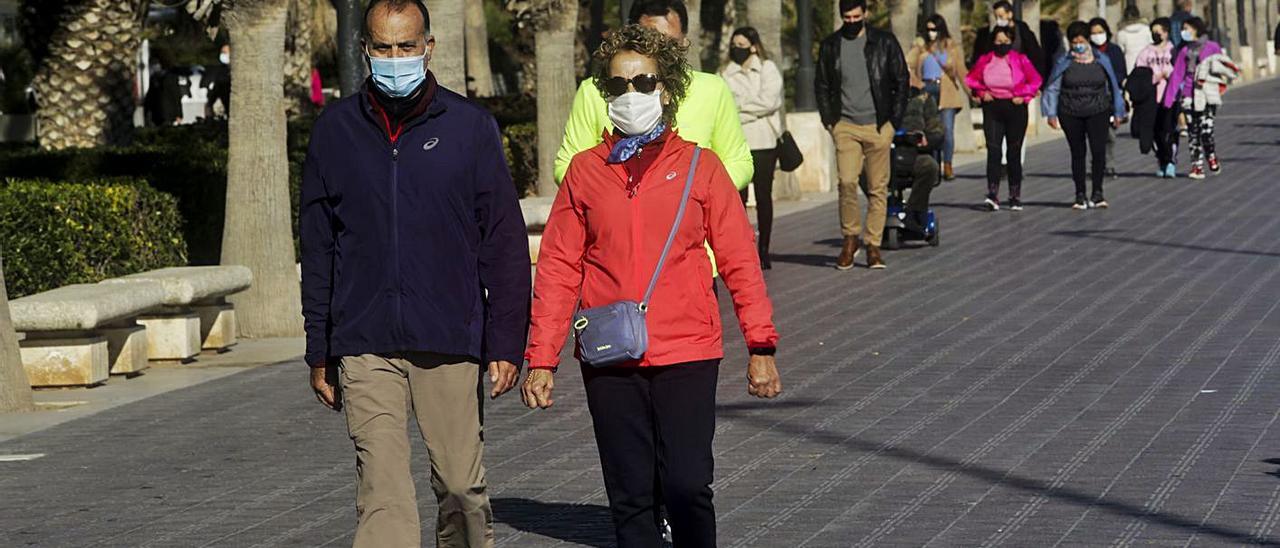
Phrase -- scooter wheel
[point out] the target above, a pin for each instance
(935, 238)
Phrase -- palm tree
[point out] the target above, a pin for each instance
(555, 26)
(479, 75)
(257, 231)
(84, 51)
(298, 56)
(15, 389)
(694, 9)
(448, 61)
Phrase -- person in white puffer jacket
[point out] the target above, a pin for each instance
(1134, 35)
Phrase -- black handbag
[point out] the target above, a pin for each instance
(789, 155)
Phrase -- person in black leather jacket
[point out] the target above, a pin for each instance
(861, 87)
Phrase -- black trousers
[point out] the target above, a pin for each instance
(1087, 135)
(924, 176)
(765, 161)
(1166, 134)
(654, 427)
(1004, 121)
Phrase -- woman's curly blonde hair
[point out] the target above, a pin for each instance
(668, 53)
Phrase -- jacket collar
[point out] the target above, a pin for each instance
(670, 148)
(373, 114)
(753, 64)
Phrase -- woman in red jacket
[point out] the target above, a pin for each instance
(654, 417)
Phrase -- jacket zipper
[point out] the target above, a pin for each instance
(395, 238)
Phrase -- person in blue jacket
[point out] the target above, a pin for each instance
(415, 271)
(1084, 100)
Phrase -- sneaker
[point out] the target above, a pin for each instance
(1080, 204)
(1098, 202)
(1015, 204)
(1161, 172)
(874, 262)
(992, 204)
(1214, 166)
(1170, 171)
(1197, 172)
(1111, 172)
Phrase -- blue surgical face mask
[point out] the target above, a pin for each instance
(1079, 48)
(1187, 36)
(398, 76)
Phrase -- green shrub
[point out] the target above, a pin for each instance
(55, 234)
(521, 144)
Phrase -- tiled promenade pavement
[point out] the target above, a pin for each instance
(1045, 377)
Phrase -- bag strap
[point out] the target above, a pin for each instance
(675, 227)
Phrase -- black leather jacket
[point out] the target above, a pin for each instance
(886, 66)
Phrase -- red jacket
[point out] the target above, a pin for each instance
(602, 245)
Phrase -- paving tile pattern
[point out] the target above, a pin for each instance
(1048, 377)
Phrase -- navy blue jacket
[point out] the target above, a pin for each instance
(416, 246)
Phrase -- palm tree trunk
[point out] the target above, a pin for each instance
(479, 73)
(297, 48)
(448, 61)
(84, 81)
(554, 47)
(15, 389)
(902, 17)
(694, 35)
(257, 231)
(766, 17)
(965, 137)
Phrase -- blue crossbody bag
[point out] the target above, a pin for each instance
(617, 333)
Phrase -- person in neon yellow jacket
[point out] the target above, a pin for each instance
(708, 115)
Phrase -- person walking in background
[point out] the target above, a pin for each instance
(1084, 100)
(1196, 85)
(396, 318)
(654, 417)
(1134, 35)
(217, 80)
(1100, 37)
(1176, 20)
(756, 84)
(921, 121)
(861, 87)
(1024, 41)
(708, 117)
(1158, 57)
(936, 66)
(1004, 81)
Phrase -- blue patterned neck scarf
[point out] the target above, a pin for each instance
(627, 147)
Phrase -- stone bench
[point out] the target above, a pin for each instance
(79, 334)
(194, 315)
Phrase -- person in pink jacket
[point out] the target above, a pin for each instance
(1004, 81)
(1159, 58)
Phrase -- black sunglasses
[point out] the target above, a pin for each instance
(644, 83)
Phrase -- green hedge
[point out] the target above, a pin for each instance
(55, 234)
(521, 143)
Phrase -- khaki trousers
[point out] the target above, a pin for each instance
(443, 393)
(859, 146)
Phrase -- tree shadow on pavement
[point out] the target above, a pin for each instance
(1105, 235)
(995, 476)
(586, 524)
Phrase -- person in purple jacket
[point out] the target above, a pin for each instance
(1182, 89)
(415, 270)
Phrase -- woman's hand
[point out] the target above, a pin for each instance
(986, 97)
(762, 377)
(536, 391)
(1053, 123)
(1116, 122)
(1018, 101)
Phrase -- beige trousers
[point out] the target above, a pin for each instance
(443, 393)
(858, 146)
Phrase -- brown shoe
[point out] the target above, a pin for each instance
(845, 260)
(874, 261)
(947, 173)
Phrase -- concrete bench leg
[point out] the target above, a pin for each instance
(172, 337)
(217, 326)
(80, 361)
(127, 349)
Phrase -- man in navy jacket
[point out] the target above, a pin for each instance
(415, 270)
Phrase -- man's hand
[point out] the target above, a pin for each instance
(537, 388)
(762, 377)
(1115, 122)
(986, 97)
(923, 142)
(503, 375)
(1018, 101)
(1053, 123)
(326, 387)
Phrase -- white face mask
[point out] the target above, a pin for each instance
(933, 35)
(1187, 36)
(224, 58)
(1098, 39)
(636, 113)
(1001, 22)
